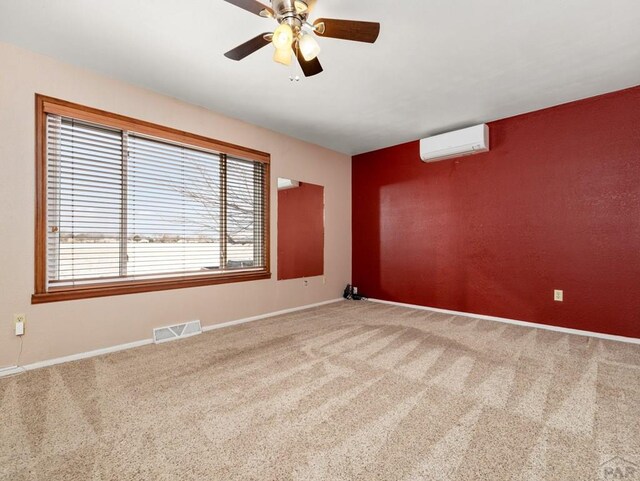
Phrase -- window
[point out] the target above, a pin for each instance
(125, 206)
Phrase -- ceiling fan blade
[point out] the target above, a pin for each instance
(347, 29)
(247, 48)
(252, 6)
(309, 67)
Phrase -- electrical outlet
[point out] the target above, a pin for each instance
(558, 295)
(305, 283)
(19, 320)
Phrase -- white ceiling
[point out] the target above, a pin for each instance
(437, 65)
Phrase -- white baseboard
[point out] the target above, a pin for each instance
(8, 370)
(565, 330)
(11, 370)
(74, 357)
(269, 314)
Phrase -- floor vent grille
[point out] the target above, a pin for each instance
(179, 331)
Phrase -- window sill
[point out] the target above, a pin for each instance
(134, 287)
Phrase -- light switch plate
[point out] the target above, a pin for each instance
(558, 295)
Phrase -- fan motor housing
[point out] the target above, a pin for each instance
(283, 7)
(285, 12)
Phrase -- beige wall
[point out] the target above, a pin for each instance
(64, 328)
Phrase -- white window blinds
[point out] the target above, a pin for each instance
(123, 206)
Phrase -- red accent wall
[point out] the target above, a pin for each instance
(555, 204)
(301, 232)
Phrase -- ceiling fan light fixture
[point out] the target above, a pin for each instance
(283, 56)
(309, 47)
(283, 37)
(294, 34)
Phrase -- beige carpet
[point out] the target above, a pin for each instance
(348, 391)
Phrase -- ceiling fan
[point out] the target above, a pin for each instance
(293, 36)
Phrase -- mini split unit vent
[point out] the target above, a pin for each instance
(284, 184)
(179, 331)
(472, 140)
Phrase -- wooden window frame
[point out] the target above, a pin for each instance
(49, 105)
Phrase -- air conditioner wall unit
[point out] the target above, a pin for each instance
(471, 140)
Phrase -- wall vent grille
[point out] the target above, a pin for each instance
(179, 331)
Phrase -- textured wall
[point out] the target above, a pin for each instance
(554, 205)
(65, 328)
(301, 231)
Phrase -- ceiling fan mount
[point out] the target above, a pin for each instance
(294, 35)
